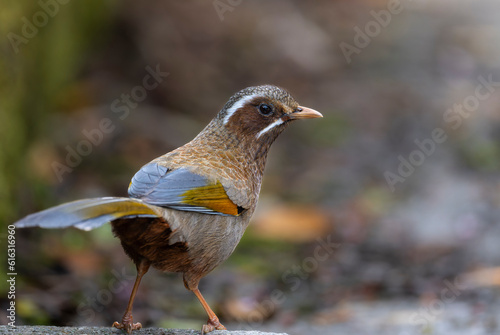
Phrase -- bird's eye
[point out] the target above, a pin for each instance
(265, 109)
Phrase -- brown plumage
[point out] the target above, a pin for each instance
(189, 208)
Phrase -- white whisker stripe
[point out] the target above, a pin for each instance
(237, 105)
(271, 126)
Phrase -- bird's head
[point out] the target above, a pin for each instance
(260, 113)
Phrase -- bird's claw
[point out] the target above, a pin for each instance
(127, 324)
(212, 325)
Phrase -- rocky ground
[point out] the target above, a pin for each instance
(102, 331)
(439, 316)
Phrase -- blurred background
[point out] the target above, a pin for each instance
(382, 217)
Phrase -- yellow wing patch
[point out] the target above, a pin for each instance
(213, 197)
(118, 209)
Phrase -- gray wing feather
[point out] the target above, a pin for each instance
(157, 185)
(76, 213)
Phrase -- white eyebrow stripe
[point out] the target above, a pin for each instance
(271, 126)
(237, 105)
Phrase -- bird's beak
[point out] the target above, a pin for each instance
(304, 113)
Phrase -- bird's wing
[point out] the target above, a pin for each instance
(182, 190)
(87, 214)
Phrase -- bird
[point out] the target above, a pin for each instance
(188, 209)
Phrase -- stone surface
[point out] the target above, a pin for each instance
(42, 330)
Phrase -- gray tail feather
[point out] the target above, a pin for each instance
(88, 214)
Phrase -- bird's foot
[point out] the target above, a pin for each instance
(212, 325)
(127, 324)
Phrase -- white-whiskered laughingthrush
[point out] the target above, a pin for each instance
(189, 208)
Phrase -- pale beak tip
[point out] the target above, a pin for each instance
(306, 113)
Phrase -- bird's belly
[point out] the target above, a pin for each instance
(187, 242)
(210, 239)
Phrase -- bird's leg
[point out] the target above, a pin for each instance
(127, 323)
(213, 321)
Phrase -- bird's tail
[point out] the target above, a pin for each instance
(88, 214)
